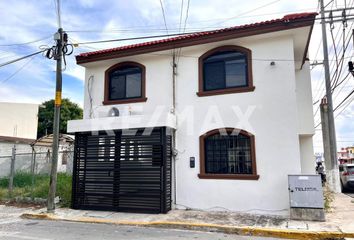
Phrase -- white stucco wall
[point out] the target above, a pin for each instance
(306, 121)
(271, 113)
(273, 123)
(158, 87)
(308, 161)
(304, 100)
(18, 120)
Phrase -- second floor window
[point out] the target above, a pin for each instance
(125, 83)
(225, 70)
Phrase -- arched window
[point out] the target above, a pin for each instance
(125, 83)
(226, 69)
(228, 153)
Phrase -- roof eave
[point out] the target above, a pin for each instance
(220, 36)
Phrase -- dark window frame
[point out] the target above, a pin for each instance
(202, 159)
(142, 98)
(248, 88)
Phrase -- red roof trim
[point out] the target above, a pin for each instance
(287, 22)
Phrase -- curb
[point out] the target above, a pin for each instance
(248, 231)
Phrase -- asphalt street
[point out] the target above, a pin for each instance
(19, 229)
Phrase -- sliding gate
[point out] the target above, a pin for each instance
(123, 171)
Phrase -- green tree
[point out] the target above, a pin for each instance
(69, 111)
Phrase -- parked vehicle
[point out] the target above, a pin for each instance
(346, 172)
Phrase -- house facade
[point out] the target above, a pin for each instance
(212, 120)
(346, 155)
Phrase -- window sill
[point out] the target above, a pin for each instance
(229, 176)
(225, 91)
(124, 101)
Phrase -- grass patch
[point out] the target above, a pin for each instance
(23, 187)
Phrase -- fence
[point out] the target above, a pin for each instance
(27, 169)
(35, 162)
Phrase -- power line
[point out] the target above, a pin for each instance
(163, 15)
(21, 58)
(180, 16)
(152, 27)
(184, 29)
(166, 35)
(17, 71)
(25, 43)
(351, 93)
(338, 72)
(251, 10)
(58, 12)
(186, 19)
(346, 105)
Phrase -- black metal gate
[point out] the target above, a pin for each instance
(123, 172)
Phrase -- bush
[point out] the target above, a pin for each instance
(23, 187)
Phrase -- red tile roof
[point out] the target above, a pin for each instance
(287, 22)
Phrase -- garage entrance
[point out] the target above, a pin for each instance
(125, 171)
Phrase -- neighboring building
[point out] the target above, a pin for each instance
(18, 124)
(42, 149)
(346, 155)
(210, 120)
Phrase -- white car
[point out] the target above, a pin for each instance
(346, 172)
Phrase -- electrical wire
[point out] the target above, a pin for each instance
(345, 106)
(17, 71)
(251, 10)
(178, 55)
(181, 16)
(164, 16)
(339, 65)
(350, 94)
(186, 18)
(24, 43)
(165, 35)
(21, 58)
(147, 28)
(58, 12)
(89, 91)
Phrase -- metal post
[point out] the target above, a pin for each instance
(54, 165)
(33, 166)
(331, 170)
(12, 171)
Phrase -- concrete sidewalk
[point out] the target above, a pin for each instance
(339, 223)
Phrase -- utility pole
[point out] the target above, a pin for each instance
(58, 36)
(332, 169)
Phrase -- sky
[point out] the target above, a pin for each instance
(33, 80)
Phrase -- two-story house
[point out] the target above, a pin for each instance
(211, 120)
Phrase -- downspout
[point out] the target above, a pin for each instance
(173, 110)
